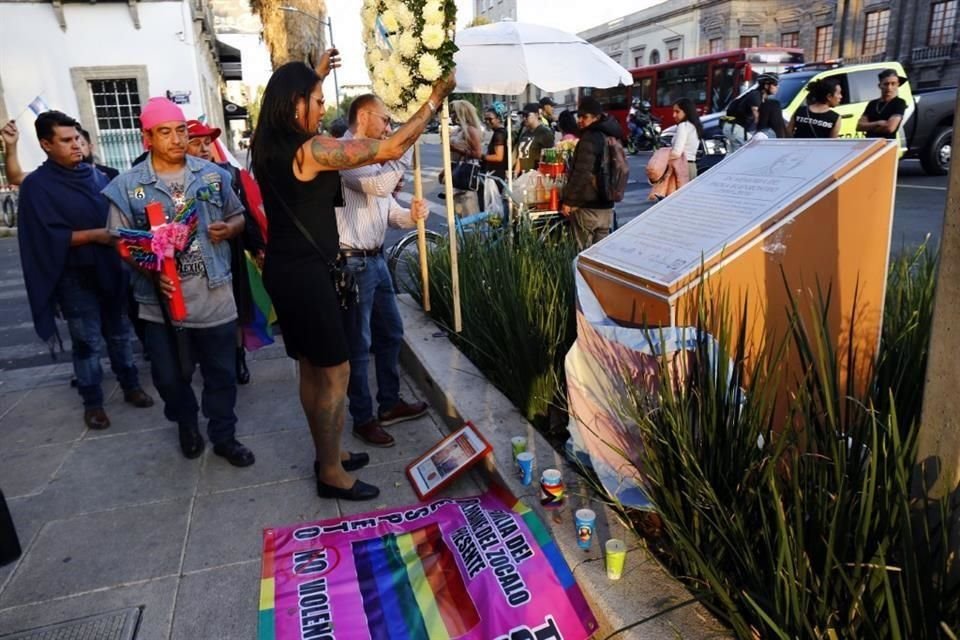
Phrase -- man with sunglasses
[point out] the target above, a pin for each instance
(373, 323)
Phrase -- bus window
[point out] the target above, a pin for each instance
(722, 87)
(612, 98)
(644, 89)
(688, 81)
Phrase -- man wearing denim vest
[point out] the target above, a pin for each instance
(208, 334)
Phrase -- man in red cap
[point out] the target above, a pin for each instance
(207, 337)
(202, 137)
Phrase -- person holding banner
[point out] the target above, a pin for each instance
(298, 173)
(68, 263)
(186, 188)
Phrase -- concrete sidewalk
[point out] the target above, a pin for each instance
(119, 518)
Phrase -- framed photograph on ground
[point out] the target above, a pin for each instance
(447, 460)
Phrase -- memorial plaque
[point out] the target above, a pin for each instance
(816, 212)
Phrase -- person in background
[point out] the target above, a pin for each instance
(589, 211)
(740, 121)
(770, 122)
(547, 108)
(185, 186)
(567, 123)
(200, 145)
(69, 263)
(339, 127)
(686, 141)
(467, 144)
(298, 171)
(495, 159)
(884, 115)
(373, 324)
(534, 137)
(817, 118)
(11, 136)
(90, 155)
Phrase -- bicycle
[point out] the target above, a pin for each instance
(406, 251)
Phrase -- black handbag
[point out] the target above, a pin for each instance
(466, 175)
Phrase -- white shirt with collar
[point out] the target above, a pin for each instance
(369, 206)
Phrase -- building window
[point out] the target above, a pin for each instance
(790, 39)
(654, 57)
(875, 35)
(637, 56)
(824, 43)
(747, 42)
(943, 16)
(673, 53)
(716, 45)
(116, 108)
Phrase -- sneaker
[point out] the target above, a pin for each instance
(138, 398)
(402, 412)
(96, 418)
(235, 453)
(372, 432)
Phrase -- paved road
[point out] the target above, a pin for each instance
(919, 211)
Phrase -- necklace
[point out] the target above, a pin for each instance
(876, 107)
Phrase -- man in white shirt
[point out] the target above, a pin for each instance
(373, 324)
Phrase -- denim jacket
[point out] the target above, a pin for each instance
(133, 190)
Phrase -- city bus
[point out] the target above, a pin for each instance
(711, 81)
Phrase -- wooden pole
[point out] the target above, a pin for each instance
(510, 164)
(421, 228)
(451, 218)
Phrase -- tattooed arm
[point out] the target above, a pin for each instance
(323, 153)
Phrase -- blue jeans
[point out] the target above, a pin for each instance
(93, 317)
(373, 325)
(214, 349)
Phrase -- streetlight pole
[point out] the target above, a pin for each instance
(328, 22)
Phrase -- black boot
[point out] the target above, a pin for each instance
(243, 374)
(9, 544)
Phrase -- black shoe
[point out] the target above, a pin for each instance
(138, 398)
(354, 462)
(243, 374)
(191, 442)
(359, 491)
(235, 453)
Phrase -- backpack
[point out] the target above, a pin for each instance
(614, 170)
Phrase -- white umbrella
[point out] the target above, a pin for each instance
(503, 58)
(506, 56)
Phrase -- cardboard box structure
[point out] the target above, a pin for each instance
(814, 213)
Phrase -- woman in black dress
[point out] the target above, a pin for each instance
(495, 159)
(817, 119)
(298, 173)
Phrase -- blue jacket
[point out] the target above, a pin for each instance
(210, 185)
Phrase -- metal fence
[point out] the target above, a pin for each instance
(119, 148)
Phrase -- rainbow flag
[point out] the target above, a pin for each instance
(465, 569)
(413, 577)
(259, 332)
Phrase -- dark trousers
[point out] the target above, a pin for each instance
(214, 350)
(94, 317)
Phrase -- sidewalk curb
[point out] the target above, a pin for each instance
(8, 232)
(458, 391)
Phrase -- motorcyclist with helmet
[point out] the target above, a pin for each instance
(640, 123)
(740, 122)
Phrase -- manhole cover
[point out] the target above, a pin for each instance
(115, 625)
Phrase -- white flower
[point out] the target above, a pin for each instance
(433, 13)
(423, 93)
(383, 71)
(391, 95)
(429, 67)
(433, 36)
(404, 16)
(379, 86)
(373, 56)
(389, 19)
(369, 18)
(407, 44)
(401, 74)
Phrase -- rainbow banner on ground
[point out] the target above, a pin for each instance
(480, 568)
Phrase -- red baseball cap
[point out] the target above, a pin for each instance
(197, 129)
